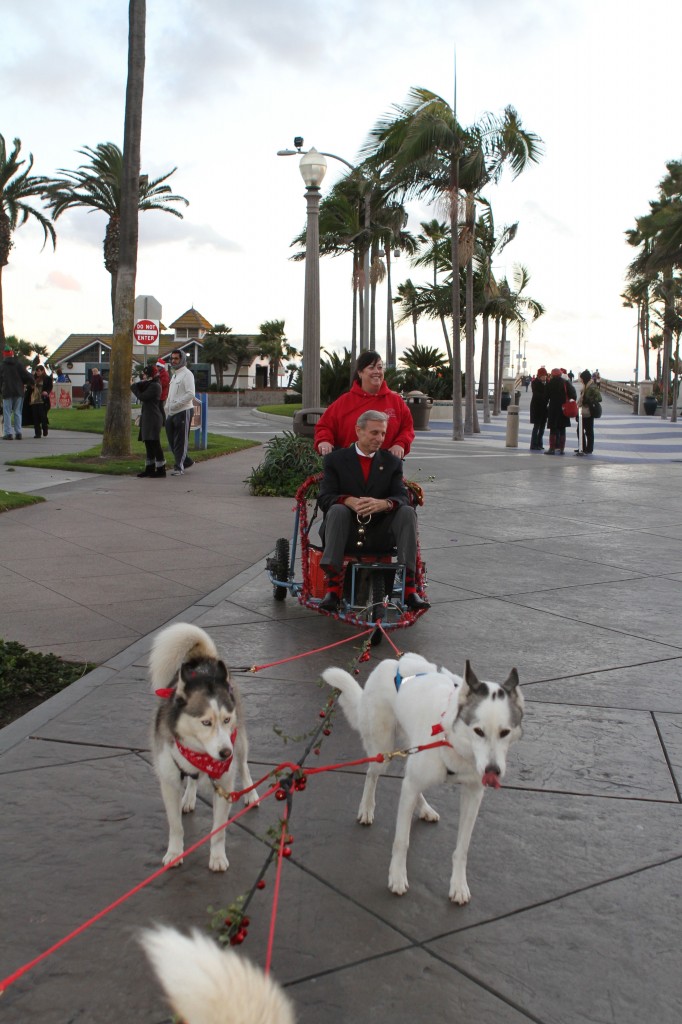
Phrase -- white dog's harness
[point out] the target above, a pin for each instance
(399, 680)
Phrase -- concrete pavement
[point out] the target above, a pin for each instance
(567, 568)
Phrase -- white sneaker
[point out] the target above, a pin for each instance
(177, 472)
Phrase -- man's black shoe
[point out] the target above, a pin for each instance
(415, 603)
(330, 602)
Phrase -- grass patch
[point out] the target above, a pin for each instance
(281, 410)
(78, 419)
(10, 500)
(92, 461)
(28, 678)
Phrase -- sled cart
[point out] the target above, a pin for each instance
(374, 581)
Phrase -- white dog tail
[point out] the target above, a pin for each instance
(351, 694)
(175, 645)
(209, 985)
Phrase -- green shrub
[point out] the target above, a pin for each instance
(28, 678)
(289, 459)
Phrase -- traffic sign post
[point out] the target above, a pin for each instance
(146, 337)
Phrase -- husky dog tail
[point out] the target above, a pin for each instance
(351, 694)
(208, 985)
(174, 646)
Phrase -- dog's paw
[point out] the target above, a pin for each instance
(365, 815)
(397, 881)
(427, 813)
(218, 861)
(171, 855)
(459, 892)
(189, 802)
(251, 798)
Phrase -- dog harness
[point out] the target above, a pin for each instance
(204, 762)
(399, 680)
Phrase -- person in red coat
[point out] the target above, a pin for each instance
(336, 427)
(164, 378)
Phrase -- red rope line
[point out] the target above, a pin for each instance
(275, 894)
(293, 768)
(306, 654)
(11, 978)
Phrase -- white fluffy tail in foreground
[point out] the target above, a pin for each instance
(209, 985)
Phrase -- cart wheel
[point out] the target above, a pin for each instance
(280, 567)
(376, 638)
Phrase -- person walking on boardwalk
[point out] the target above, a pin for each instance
(589, 402)
(559, 390)
(179, 408)
(538, 409)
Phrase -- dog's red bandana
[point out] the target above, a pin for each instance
(204, 762)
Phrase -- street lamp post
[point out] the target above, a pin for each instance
(367, 203)
(312, 167)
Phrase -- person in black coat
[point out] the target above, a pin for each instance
(39, 401)
(152, 418)
(538, 409)
(559, 389)
(364, 499)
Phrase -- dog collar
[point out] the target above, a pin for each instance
(204, 762)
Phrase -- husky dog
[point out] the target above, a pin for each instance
(478, 720)
(198, 732)
(209, 985)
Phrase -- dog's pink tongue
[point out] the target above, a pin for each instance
(491, 779)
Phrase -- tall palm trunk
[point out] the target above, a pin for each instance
(390, 361)
(441, 317)
(496, 370)
(457, 426)
(500, 376)
(485, 370)
(668, 314)
(676, 380)
(469, 388)
(116, 440)
(5, 246)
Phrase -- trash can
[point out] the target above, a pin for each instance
(420, 407)
(635, 404)
(305, 421)
(505, 400)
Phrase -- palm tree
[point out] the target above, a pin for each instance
(659, 233)
(435, 242)
(26, 351)
(216, 350)
(16, 186)
(116, 438)
(489, 245)
(429, 155)
(240, 350)
(407, 299)
(97, 185)
(275, 347)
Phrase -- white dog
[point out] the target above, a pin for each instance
(199, 732)
(209, 985)
(478, 720)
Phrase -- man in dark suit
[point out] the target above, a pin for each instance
(363, 489)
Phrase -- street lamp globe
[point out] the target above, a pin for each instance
(313, 168)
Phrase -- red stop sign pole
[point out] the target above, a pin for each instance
(146, 332)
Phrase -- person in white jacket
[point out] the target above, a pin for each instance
(179, 408)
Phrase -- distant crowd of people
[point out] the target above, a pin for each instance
(25, 397)
(555, 402)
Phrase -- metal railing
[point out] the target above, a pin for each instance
(619, 389)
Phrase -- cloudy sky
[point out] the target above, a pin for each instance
(228, 83)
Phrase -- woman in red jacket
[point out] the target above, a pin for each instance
(336, 427)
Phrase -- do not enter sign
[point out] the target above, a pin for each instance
(146, 332)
